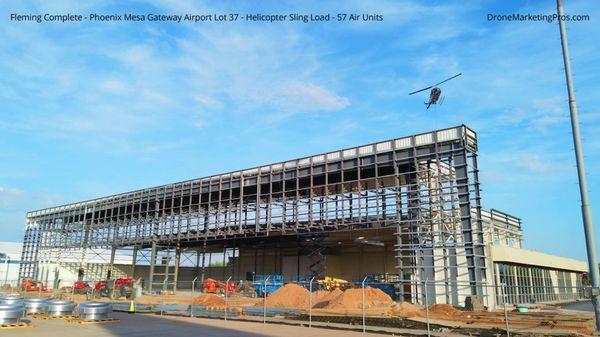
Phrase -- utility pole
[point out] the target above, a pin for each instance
(586, 211)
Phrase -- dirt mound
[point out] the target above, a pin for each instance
(405, 309)
(352, 299)
(319, 295)
(444, 310)
(321, 298)
(294, 296)
(289, 296)
(209, 301)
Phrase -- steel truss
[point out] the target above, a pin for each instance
(426, 186)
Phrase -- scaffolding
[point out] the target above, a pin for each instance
(424, 186)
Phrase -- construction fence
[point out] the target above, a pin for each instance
(417, 292)
(327, 302)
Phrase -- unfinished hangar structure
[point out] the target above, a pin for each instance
(407, 207)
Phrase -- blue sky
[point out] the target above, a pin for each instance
(93, 109)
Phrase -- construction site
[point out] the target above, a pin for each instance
(387, 237)
(407, 207)
(309, 169)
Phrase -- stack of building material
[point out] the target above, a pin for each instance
(94, 311)
(11, 314)
(36, 305)
(60, 308)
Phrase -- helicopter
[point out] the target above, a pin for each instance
(435, 93)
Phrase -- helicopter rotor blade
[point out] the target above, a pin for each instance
(414, 92)
(448, 79)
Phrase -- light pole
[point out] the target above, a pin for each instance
(588, 225)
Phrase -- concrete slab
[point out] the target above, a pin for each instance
(147, 325)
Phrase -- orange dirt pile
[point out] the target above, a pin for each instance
(289, 296)
(405, 309)
(294, 296)
(352, 299)
(243, 301)
(209, 301)
(321, 298)
(152, 299)
(444, 310)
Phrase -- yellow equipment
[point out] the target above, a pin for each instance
(331, 283)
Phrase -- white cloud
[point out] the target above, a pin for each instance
(208, 102)
(517, 167)
(538, 115)
(15, 203)
(114, 86)
(8, 197)
(536, 164)
(117, 90)
(513, 116)
(199, 123)
(548, 113)
(303, 96)
(12, 199)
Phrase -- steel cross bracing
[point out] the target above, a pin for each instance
(424, 185)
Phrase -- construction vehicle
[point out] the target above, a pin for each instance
(32, 285)
(388, 283)
(331, 283)
(246, 289)
(121, 287)
(81, 287)
(273, 282)
(213, 286)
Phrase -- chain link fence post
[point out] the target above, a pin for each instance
(226, 299)
(112, 293)
(163, 293)
(364, 326)
(310, 285)
(427, 309)
(504, 300)
(265, 299)
(192, 296)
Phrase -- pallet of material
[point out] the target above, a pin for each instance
(15, 326)
(93, 321)
(40, 316)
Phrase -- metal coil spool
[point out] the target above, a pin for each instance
(58, 308)
(11, 313)
(11, 299)
(36, 305)
(91, 311)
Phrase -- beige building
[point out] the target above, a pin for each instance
(527, 276)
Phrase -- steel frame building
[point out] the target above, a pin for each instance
(423, 189)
